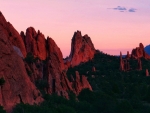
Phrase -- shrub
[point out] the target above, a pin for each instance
(2, 110)
(2, 81)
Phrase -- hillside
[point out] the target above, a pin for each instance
(114, 91)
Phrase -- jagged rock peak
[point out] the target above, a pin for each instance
(12, 34)
(139, 52)
(120, 55)
(82, 49)
(128, 55)
(54, 50)
(35, 43)
(141, 46)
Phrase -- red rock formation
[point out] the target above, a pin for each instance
(81, 83)
(121, 63)
(82, 49)
(126, 65)
(35, 43)
(35, 70)
(93, 69)
(55, 73)
(139, 64)
(128, 55)
(15, 71)
(53, 49)
(55, 68)
(17, 87)
(139, 52)
(147, 72)
(12, 34)
(85, 83)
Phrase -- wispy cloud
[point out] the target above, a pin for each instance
(123, 9)
(132, 10)
(120, 8)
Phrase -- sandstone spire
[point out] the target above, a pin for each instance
(147, 72)
(139, 64)
(121, 63)
(128, 55)
(82, 49)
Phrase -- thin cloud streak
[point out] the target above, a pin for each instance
(123, 9)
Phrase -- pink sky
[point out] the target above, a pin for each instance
(111, 31)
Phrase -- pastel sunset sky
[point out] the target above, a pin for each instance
(113, 25)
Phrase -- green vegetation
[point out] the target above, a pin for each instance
(114, 91)
(2, 81)
(30, 58)
(2, 110)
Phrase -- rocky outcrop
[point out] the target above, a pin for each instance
(54, 69)
(17, 87)
(121, 63)
(147, 72)
(128, 55)
(139, 52)
(139, 64)
(35, 43)
(93, 69)
(124, 64)
(82, 49)
(12, 34)
(35, 70)
(80, 83)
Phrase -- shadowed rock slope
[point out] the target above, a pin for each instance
(17, 87)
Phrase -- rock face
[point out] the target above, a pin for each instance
(12, 34)
(121, 63)
(139, 52)
(82, 49)
(93, 69)
(18, 51)
(55, 74)
(124, 64)
(128, 55)
(54, 69)
(80, 83)
(35, 43)
(147, 72)
(139, 64)
(17, 87)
